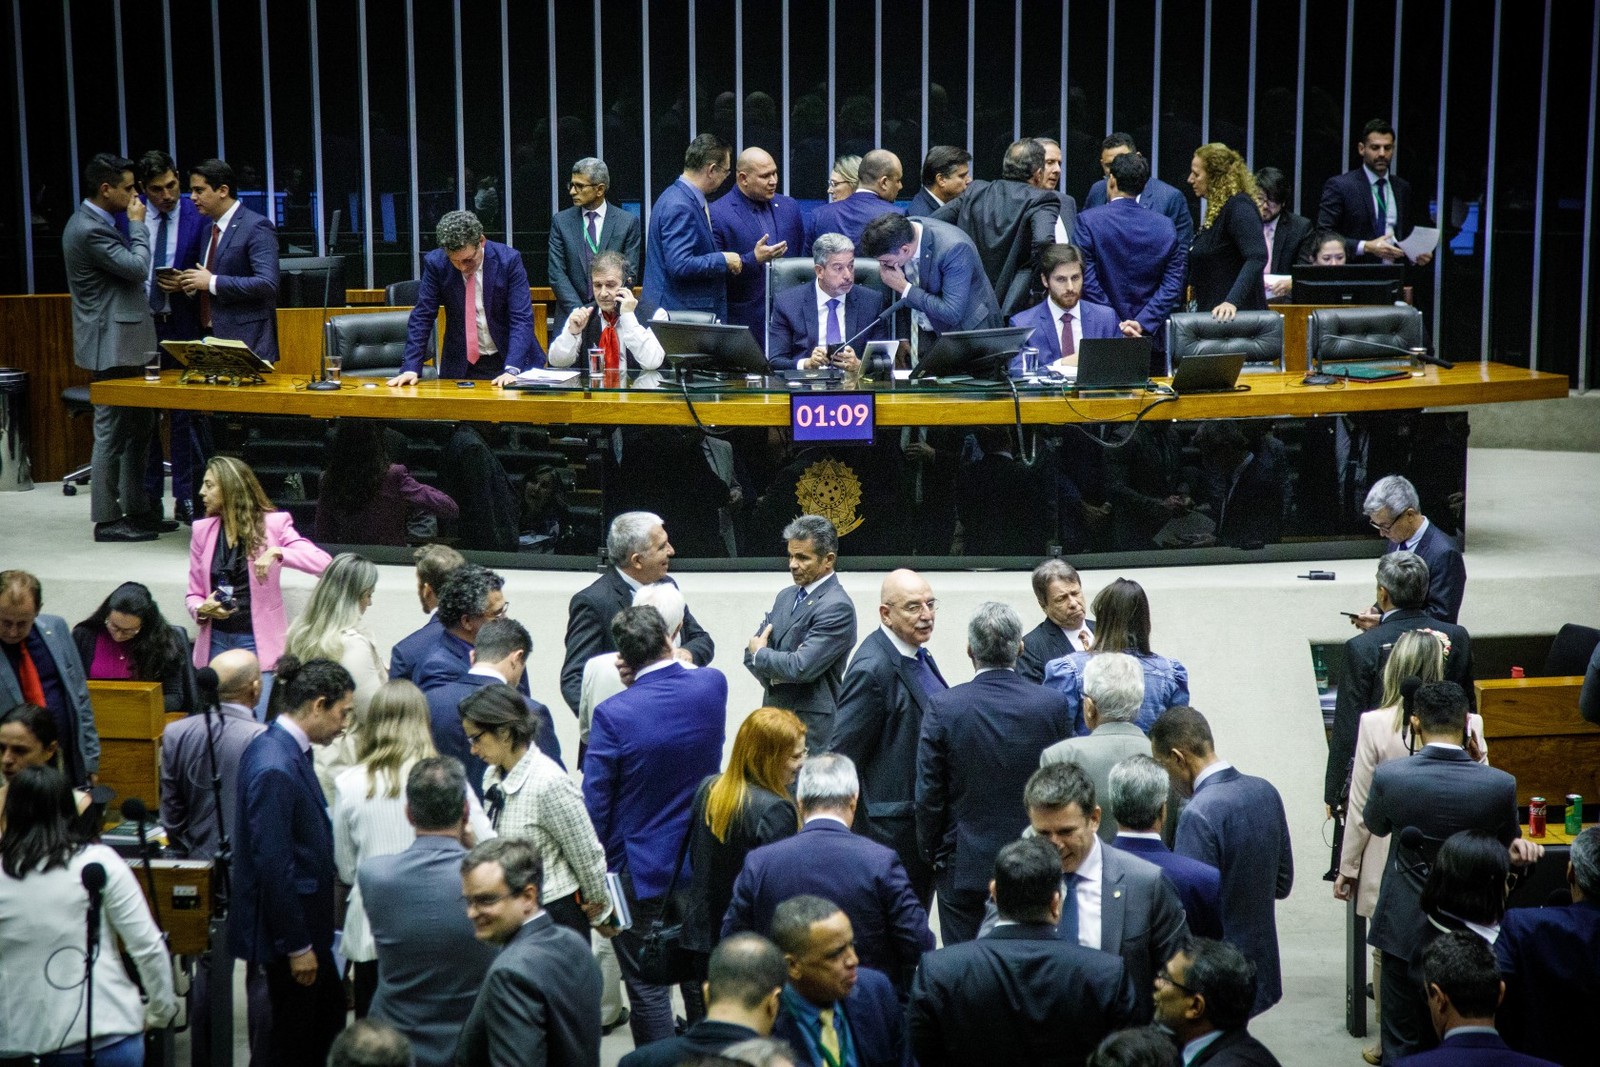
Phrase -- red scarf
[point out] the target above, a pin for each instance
(610, 344)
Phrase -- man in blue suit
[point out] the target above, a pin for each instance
(980, 743)
(1063, 312)
(754, 216)
(1066, 627)
(863, 877)
(650, 747)
(1132, 261)
(878, 182)
(684, 271)
(1158, 196)
(501, 343)
(1235, 823)
(584, 230)
(833, 1011)
(946, 173)
(806, 319)
(1463, 992)
(1393, 509)
(1368, 205)
(283, 874)
(435, 563)
(1137, 792)
(935, 269)
(235, 284)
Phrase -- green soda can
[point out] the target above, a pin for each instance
(1574, 825)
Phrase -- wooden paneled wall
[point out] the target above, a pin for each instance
(36, 336)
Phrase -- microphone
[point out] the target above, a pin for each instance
(322, 384)
(869, 327)
(94, 881)
(134, 810)
(209, 684)
(1414, 840)
(1418, 353)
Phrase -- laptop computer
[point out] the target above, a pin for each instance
(1119, 363)
(1211, 373)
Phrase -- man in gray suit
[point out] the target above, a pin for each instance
(1113, 690)
(430, 965)
(112, 337)
(1110, 900)
(584, 230)
(39, 665)
(800, 650)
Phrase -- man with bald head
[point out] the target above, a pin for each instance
(887, 689)
(188, 808)
(878, 182)
(760, 224)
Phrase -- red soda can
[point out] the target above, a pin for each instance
(1536, 817)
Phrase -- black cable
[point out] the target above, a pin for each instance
(688, 402)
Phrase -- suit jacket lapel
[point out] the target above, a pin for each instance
(1113, 902)
(910, 678)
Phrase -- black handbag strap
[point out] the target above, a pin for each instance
(683, 852)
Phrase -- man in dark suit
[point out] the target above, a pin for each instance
(488, 308)
(112, 338)
(1139, 916)
(800, 650)
(1370, 207)
(863, 877)
(1050, 178)
(980, 742)
(435, 563)
(1546, 957)
(1288, 235)
(1158, 196)
(878, 181)
(1403, 581)
(640, 553)
(1063, 319)
(744, 981)
(936, 270)
(761, 224)
(540, 1001)
(1395, 512)
(1066, 627)
(1132, 262)
(888, 688)
(40, 665)
(283, 874)
(1236, 823)
(1439, 791)
(946, 173)
(684, 270)
(1021, 993)
(236, 284)
(1463, 992)
(1010, 222)
(806, 319)
(499, 655)
(1113, 693)
(833, 1010)
(430, 963)
(188, 806)
(650, 746)
(1203, 996)
(584, 230)
(1138, 791)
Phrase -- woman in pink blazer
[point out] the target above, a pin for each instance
(236, 554)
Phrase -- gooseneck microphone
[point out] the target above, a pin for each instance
(134, 810)
(1418, 353)
(321, 384)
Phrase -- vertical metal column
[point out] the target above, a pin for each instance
(22, 144)
(1154, 147)
(322, 214)
(366, 141)
(1444, 205)
(1588, 213)
(1111, 59)
(738, 76)
(411, 114)
(1485, 317)
(1250, 91)
(1537, 283)
(166, 56)
(72, 94)
(122, 79)
(1299, 112)
(266, 116)
(505, 116)
(463, 194)
(216, 74)
(1205, 84)
(599, 94)
(550, 84)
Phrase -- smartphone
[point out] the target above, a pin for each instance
(1351, 614)
(168, 272)
(465, 385)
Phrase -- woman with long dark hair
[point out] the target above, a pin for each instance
(43, 904)
(1122, 624)
(365, 497)
(128, 639)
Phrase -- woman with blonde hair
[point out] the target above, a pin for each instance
(1228, 261)
(236, 558)
(748, 805)
(1384, 735)
(843, 177)
(369, 810)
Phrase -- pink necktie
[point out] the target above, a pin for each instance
(472, 318)
(1067, 347)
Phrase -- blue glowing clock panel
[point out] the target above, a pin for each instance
(832, 418)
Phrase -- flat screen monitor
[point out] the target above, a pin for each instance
(1351, 283)
(976, 353)
(311, 282)
(715, 348)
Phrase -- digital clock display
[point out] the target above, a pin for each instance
(832, 418)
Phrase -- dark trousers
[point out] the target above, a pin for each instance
(117, 464)
(900, 834)
(1407, 1027)
(305, 1019)
(650, 1006)
(960, 910)
(567, 912)
(819, 729)
(364, 985)
(190, 432)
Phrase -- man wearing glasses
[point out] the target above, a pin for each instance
(584, 230)
(685, 272)
(1393, 510)
(1203, 995)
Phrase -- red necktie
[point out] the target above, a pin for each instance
(32, 688)
(205, 294)
(1067, 347)
(610, 344)
(472, 318)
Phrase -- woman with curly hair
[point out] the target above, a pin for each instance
(364, 497)
(128, 639)
(1229, 256)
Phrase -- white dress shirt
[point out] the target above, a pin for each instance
(1091, 872)
(1389, 214)
(221, 225)
(152, 222)
(639, 342)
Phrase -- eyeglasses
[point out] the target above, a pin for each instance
(1385, 527)
(123, 634)
(914, 607)
(1163, 975)
(836, 182)
(500, 612)
(485, 900)
(581, 186)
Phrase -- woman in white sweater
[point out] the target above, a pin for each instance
(43, 905)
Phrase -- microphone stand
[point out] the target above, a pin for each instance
(219, 981)
(322, 384)
(94, 880)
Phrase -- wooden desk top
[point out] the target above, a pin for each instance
(1555, 832)
(1269, 395)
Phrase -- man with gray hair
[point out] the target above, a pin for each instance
(367, 1043)
(584, 230)
(1113, 690)
(640, 554)
(980, 742)
(810, 323)
(1403, 583)
(1066, 627)
(488, 308)
(801, 647)
(865, 879)
(1394, 511)
(1138, 794)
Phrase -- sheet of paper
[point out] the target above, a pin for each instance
(1421, 241)
(1274, 279)
(547, 376)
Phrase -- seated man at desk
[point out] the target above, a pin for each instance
(1063, 319)
(807, 319)
(615, 330)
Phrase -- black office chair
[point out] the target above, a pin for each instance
(75, 398)
(311, 282)
(791, 271)
(1258, 334)
(401, 294)
(1570, 651)
(700, 318)
(373, 346)
(1364, 334)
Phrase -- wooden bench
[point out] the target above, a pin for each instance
(1536, 734)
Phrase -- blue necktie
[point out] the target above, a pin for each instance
(931, 681)
(835, 334)
(158, 299)
(1069, 908)
(800, 598)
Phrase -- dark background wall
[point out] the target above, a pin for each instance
(394, 111)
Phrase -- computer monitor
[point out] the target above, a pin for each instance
(975, 353)
(311, 282)
(713, 348)
(1350, 283)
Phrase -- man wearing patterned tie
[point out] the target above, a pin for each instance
(887, 690)
(236, 281)
(1064, 318)
(1369, 205)
(488, 308)
(809, 319)
(1066, 627)
(586, 229)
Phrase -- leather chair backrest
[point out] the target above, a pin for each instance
(703, 318)
(1396, 325)
(1258, 334)
(791, 271)
(374, 346)
(401, 294)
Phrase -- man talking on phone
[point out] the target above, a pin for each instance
(810, 323)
